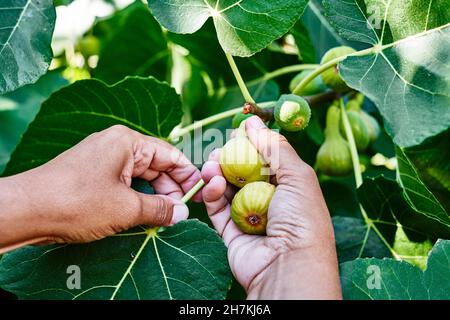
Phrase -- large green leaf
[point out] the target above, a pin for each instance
(136, 47)
(186, 261)
(417, 193)
(24, 105)
(325, 36)
(210, 57)
(74, 112)
(432, 162)
(386, 207)
(26, 28)
(306, 51)
(388, 279)
(243, 27)
(355, 240)
(406, 72)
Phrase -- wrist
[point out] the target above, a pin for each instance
(19, 218)
(304, 273)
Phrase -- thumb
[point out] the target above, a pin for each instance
(159, 210)
(272, 146)
(283, 160)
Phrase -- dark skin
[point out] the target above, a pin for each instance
(84, 195)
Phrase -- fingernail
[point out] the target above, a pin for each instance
(180, 213)
(255, 122)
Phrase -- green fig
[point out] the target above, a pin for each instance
(331, 76)
(250, 206)
(238, 118)
(292, 113)
(334, 157)
(314, 87)
(240, 161)
(372, 126)
(355, 103)
(89, 46)
(359, 130)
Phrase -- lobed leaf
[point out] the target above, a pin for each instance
(243, 27)
(186, 261)
(387, 279)
(406, 72)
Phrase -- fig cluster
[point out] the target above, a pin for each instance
(244, 167)
(334, 156)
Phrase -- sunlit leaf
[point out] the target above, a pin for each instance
(243, 27)
(26, 28)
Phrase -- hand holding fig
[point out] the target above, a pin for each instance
(297, 217)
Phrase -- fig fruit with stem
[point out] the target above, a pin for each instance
(250, 206)
(292, 113)
(334, 157)
(359, 129)
(240, 161)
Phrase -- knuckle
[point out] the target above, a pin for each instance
(162, 211)
(281, 138)
(118, 131)
(307, 172)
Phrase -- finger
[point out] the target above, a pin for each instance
(154, 155)
(214, 155)
(159, 210)
(276, 151)
(233, 134)
(165, 185)
(219, 208)
(212, 169)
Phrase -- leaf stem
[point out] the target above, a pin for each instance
(323, 67)
(239, 79)
(285, 70)
(193, 191)
(177, 133)
(359, 180)
(352, 143)
(318, 71)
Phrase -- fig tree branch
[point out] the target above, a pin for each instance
(266, 114)
(179, 132)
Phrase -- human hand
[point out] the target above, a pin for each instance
(84, 194)
(297, 258)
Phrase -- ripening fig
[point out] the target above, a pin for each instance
(240, 161)
(292, 113)
(372, 126)
(314, 87)
(331, 76)
(250, 205)
(238, 118)
(359, 130)
(89, 46)
(334, 157)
